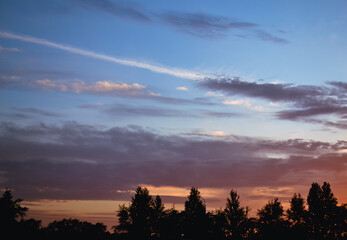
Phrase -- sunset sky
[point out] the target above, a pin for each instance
(100, 96)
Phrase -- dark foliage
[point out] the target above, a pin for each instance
(146, 218)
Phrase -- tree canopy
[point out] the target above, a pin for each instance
(146, 218)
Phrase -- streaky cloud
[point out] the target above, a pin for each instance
(263, 35)
(4, 49)
(122, 110)
(201, 25)
(270, 91)
(37, 111)
(301, 113)
(304, 101)
(151, 67)
(117, 8)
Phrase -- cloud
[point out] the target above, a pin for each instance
(203, 25)
(9, 79)
(215, 134)
(244, 103)
(213, 94)
(340, 85)
(221, 114)
(182, 88)
(117, 8)
(303, 101)
(3, 49)
(200, 25)
(338, 124)
(38, 112)
(117, 89)
(263, 35)
(270, 91)
(75, 161)
(151, 67)
(121, 110)
(100, 87)
(128, 110)
(309, 112)
(212, 27)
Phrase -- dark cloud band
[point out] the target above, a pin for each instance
(75, 161)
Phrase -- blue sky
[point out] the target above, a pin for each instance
(264, 77)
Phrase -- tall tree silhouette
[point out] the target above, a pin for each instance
(195, 219)
(11, 219)
(271, 223)
(10, 210)
(236, 217)
(141, 210)
(297, 213)
(141, 219)
(157, 217)
(124, 222)
(297, 216)
(324, 214)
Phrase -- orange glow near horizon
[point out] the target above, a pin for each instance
(104, 211)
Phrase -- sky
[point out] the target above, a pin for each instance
(98, 97)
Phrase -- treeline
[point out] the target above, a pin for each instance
(145, 218)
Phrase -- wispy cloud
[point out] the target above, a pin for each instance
(128, 110)
(215, 134)
(197, 24)
(36, 111)
(4, 79)
(263, 35)
(4, 49)
(203, 25)
(214, 94)
(270, 91)
(182, 88)
(151, 67)
(309, 112)
(212, 27)
(117, 8)
(244, 103)
(100, 87)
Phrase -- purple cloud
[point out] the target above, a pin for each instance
(75, 161)
(306, 101)
(197, 24)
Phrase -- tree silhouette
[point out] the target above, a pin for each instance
(297, 217)
(141, 210)
(76, 229)
(170, 225)
(271, 224)
(195, 218)
(12, 222)
(157, 216)
(124, 222)
(142, 218)
(217, 224)
(10, 209)
(145, 218)
(236, 217)
(325, 217)
(297, 213)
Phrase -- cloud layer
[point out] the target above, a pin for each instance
(74, 161)
(200, 25)
(304, 101)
